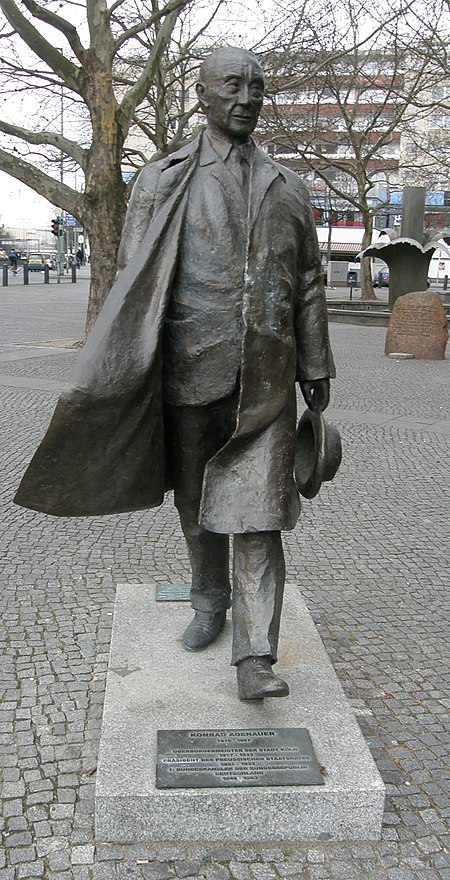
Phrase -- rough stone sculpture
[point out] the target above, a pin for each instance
(418, 326)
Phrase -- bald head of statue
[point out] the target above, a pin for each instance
(231, 91)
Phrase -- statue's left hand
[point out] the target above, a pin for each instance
(316, 393)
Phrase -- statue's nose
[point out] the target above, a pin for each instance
(244, 95)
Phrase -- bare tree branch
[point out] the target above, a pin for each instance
(53, 139)
(173, 6)
(61, 24)
(68, 71)
(135, 95)
(57, 193)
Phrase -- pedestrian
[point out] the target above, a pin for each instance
(13, 260)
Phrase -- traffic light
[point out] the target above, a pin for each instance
(56, 226)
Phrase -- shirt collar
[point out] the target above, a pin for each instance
(223, 147)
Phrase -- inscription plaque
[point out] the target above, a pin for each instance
(236, 758)
(173, 592)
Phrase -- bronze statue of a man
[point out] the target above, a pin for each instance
(187, 380)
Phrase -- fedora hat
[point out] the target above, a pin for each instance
(318, 453)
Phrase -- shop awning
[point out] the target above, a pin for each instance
(341, 247)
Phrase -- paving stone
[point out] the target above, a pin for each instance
(284, 869)
(17, 823)
(51, 844)
(190, 869)
(32, 869)
(157, 871)
(22, 838)
(315, 856)
(171, 853)
(217, 872)
(12, 808)
(82, 855)
(104, 871)
(109, 852)
(22, 854)
(263, 872)
(373, 574)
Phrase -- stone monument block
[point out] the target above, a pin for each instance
(418, 326)
(158, 695)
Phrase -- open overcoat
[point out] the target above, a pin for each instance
(104, 450)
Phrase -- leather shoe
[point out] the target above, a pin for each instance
(203, 629)
(256, 680)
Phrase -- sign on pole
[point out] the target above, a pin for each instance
(69, 219)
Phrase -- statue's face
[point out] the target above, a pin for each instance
(232, 93)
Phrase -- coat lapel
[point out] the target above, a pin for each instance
(264, 172)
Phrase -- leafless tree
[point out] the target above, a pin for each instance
(73, 90)
(339, 114)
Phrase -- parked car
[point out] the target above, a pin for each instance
(50, 260)
(35, 262)
(381, 278)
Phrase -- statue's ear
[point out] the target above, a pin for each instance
(201, 95)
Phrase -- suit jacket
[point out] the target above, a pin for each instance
(104, 449)
(203, 329)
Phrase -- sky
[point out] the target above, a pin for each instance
(21, 207)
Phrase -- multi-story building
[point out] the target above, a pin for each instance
(360, 125)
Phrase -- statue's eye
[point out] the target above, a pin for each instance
(232, 87)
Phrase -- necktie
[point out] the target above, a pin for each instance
(240, 167)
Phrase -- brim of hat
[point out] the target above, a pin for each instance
(308, 461)
(318, 453)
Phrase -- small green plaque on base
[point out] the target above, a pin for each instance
(173, 592)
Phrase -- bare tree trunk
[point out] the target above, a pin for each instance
(105, 192)
(104, 241)
(367, 291)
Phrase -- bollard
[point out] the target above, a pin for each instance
(351, 286)
(445, 282)
(46, 275)
(5, 276)
(74, 274)
(25, 273)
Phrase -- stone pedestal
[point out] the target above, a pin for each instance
(418, 326)
(154, 684)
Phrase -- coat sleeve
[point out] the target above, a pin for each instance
(314, 355)
(139, 213)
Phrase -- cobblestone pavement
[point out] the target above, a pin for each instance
(370, 554)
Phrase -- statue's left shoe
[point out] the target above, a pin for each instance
(256, 680)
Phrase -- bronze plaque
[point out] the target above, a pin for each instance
(173, 592)
(236, 758)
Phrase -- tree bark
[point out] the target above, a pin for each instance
(367, 291)
(104, 238)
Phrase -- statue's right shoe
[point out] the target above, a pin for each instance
(203, 630)
(256, 680)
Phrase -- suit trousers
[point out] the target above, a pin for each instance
(193, 435)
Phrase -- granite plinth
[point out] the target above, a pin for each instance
(154, 684)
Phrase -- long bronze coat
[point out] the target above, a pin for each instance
(104, 449)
